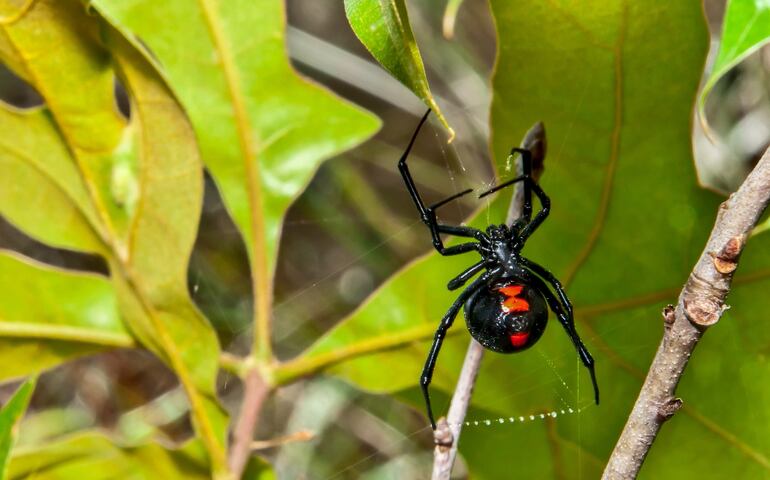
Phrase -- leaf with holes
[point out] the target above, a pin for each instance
(128, 190)
(261, 143)
(383, 28)
(628, 220)
(745, 29)
(10, 415)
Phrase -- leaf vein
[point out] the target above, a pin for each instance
(261, 278)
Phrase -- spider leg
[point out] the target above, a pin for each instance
(436, 229)
(520, 178)
(564, 314)
(405, 170)
(466, 275)
(545, 208)
(550, 278)
(529, 186)
(457, 249)
(449, 199)
(438, 339)
(462, 231)
(526, 171)
(428, 214)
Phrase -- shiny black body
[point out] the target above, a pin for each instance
(492, 326)
(522, 322)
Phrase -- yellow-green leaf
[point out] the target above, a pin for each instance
(152, 287)
(163, 230)
(262, 130)
(52, 45)
(143, 180)
(49, 316)
(41, 190)
(92, 456)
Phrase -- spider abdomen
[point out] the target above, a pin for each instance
(506, 316)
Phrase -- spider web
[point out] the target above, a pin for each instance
(401, 442)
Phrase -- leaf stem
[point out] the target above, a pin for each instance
(700, 305)
(233, 364)
(255, 388)
(304, 366)
(65, 332)
(249, 146)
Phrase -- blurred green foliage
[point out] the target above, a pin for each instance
(10, 415)
(745, 29)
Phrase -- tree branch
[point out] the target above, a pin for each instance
(700, 305)
(447, 434)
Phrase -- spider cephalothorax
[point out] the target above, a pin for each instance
(506, 307)
(498, 233)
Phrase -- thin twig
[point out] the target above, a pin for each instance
(700, 305)
(447, 434)
(255, 392)
(301, 436)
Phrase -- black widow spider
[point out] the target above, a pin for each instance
(506, 308)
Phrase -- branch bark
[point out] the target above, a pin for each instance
(255, 390)
(700, 305)
(447, 434)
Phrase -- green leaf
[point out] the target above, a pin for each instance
(34, 159)
(262, 129)
(745, 28)
(628, 221)
(383, 28)
(138, 185)
(92, 456)
(26, 38)
(10, 415)
(130, 452)
(49, 316)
